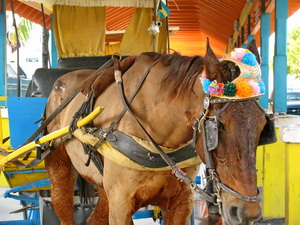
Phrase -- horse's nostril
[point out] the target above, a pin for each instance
(241, 213)
(234, 212)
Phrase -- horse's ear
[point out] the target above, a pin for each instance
(252, 47)
(211, 63)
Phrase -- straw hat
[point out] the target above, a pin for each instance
(247, 84)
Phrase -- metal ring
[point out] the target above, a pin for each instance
(193, 185)
(206, 102)
(116, 54)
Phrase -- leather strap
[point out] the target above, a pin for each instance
(62, 106)
(130, 148)
(66, 101)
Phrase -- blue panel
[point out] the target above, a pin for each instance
(23, 112)
(143, 214)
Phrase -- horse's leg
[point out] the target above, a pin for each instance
(177, 210)
(100, 214)
(120, 207)
(62, 178)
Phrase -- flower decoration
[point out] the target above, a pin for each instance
(244, 56)
(205, 83)
(249, 59)
(216, 89)
(247, 84)
(237, 54)
(262, 87)
(242, 88)
(230, 89)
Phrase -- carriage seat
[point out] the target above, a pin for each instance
(43, 79)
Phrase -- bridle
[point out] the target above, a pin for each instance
(208, 127)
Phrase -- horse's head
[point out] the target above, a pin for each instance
(231, 128)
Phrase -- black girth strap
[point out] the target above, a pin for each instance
(130, 148)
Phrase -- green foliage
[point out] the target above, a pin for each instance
(293, 52)
(24, 29)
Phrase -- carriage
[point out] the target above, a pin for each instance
(197, 95)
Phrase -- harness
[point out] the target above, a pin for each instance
(207, 126)
(204, 124)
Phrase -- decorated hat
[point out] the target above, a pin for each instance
(247, 84)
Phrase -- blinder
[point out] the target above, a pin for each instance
(268, 134)
(211, 130)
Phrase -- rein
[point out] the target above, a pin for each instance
(45, 123)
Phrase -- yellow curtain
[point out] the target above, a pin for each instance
(79, 31)
(111, 48)
(137, 38)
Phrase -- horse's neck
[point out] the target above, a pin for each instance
(171, 119)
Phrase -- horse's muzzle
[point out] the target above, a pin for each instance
(241, 212)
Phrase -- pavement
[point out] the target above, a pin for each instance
(8, 205)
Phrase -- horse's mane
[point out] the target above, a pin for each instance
(181, 76)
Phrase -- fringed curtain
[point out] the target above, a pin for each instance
(77, 32)
(99, 3)
(138, 39)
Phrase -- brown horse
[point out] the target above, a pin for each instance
(167, 104)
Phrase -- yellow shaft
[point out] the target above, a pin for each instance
(56, 134)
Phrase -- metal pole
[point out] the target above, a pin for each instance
(154, 20)
(18, 51)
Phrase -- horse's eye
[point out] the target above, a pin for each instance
(221, 126)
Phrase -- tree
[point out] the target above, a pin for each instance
(293, 49)
(24, 28)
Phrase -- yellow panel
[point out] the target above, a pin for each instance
(3, 181)
(21, 179)
(292, 184)
(274, 180)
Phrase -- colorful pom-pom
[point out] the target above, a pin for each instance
(262, 87)
(249, 59)
(243, 89)
(216, 89)
(237, 54)
(255, 87)
(230, 89)
(205, 83)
